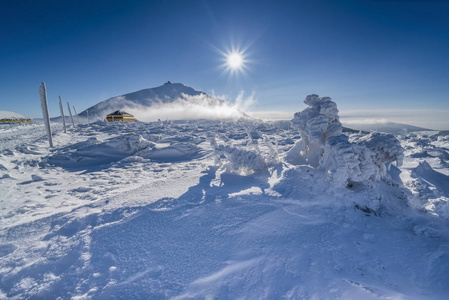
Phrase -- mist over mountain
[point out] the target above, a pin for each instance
(169, 101)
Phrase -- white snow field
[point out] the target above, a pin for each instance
(223, 210)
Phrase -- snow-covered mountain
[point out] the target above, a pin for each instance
(176, 96)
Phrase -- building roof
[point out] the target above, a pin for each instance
(119, 113)
(10, 115)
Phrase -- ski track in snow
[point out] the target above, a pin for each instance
(210, 210)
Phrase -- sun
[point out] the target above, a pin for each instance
(234, 60)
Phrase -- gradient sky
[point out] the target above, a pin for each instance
(376, 59)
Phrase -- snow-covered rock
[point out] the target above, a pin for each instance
(324, 147)
(367, 159)
(316, 124)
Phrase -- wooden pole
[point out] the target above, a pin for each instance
(70, 112)
(77, 117)
(62, 114)
(43, 95)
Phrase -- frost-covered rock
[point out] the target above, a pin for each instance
(367, 158)
(386, 150)
(315, 124)
(244, 161)
(241, 161)
(324, 147)
(343, 161)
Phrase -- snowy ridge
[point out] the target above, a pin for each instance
(223, 210)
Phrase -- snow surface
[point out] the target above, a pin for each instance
(215, 210)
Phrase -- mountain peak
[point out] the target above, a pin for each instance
(166, 93)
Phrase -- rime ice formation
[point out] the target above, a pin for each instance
(324, 147)
(315, 124)
(365, 159)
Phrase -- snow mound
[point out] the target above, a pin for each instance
(432, 180)
(94, 154)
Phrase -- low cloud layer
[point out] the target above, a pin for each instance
(427, 118)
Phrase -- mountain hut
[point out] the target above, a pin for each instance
(12, 117)
(120, 115)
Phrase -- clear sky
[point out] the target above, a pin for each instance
(376, 59)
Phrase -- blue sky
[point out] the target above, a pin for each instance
(385, 57)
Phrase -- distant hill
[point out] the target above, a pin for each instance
(390, 127)
(147, 98)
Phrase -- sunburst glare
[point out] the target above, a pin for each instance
(234, 60)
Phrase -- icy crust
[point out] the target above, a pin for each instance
(324, 147)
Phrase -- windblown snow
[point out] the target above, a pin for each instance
(205, 209)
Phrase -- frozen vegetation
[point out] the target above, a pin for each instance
(206, 209)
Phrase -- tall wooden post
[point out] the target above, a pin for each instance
(77, 117)
(62, 114)
(44, 105)
(70, 112)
